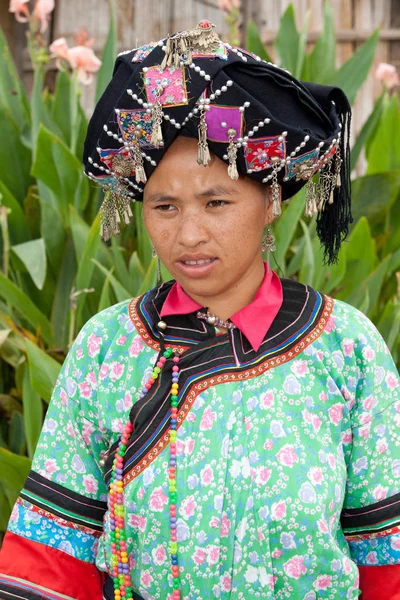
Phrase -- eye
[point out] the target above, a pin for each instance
(165, 207)
(217, 203)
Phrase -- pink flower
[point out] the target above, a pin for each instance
(213, 554)
(336, 413)
(70, 429)
(380, 492)
(348, 346)
(315, 475)
(381, 446)
(371, 558)
(207, 419)
(19, 7)
(392, 381)
(299, 367)
(331, 325)
(262, 475)
(228, 5)
(347, 437)
(85, 389)
(214, 523)
(322, 582)
(121, 340)
(59, 49)
(81, 37)
(199, 556)
(225, 526)
(103, 371)
(277, 553)
(79, 353)
(189, 446)
(267, 400)
(316, 422)
(387, 74)
(146, 578)
(188, 506)
(88, 429)
(368, 353)
(64, 397)
(42, 11)
(395, 542)
(287, 456)
(278, 510)
(268, 444)
(91, 484)
(136, 347)
(157, 500)
(323, 396)
(93, 345)
(226, 582)
(322, 526)
(206, 475)
(51, 466)
(331, 461)
(85, 62)
(295, 567)
(159, 555)
(117, 370)
(138, 522)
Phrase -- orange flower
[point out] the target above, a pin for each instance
(85, 62)
(81, 38)
(59, 49)
(19, 7)
(42, 11)
(388, 75)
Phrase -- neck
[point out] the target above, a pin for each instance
(230, 301)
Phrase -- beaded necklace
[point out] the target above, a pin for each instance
(119, 555)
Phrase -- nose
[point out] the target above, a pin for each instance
(192, 230)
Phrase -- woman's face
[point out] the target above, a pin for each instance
(196, 213)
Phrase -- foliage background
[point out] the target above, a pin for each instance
(57, 272)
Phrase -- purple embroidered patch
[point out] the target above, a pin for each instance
(260, 151)
(170, 80)
(135, 125)
(221, 118)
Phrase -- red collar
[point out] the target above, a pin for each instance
(253, 320)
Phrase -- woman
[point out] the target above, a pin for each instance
(228, 434)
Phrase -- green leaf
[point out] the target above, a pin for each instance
(372, 286)
(52, 223)
(285, 227)
(121, 270)
(384, 150)
(12, 92)
(16, 434)
(61, 110)
(320, 64)
(60, 311)
(301, 53)
(353, 73)
(120, 292)
(33, 255)
(14, 469)
(15, 157)
(109, 52)
(39, 107)
(143, 241)
(367, 131)
(254, 43)
(136, 272)
(374, 195)
(287, 42)
(27, 309)
(33, 412)
(105, 300)
(17, 227)
(307, 269)
(150, 279)
(43, 370)
(61, 171)
(389, 323)
(86, 266)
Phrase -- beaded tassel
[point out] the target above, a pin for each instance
(119, 559)
(203, 153)
(276, 195)
(232, 154)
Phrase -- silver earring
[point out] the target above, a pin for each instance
(268, 244)
(154, 255)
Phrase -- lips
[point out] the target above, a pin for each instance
(196, 267)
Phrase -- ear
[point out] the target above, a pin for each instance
(267, 194)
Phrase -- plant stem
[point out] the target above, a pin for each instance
(74, 108)
(4, 211)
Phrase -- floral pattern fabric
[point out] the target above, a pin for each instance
(265, 466)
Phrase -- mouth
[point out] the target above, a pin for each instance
(197, 268)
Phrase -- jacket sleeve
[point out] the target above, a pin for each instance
(50, 547)
(371, 511)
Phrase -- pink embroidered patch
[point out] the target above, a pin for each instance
(172, 82)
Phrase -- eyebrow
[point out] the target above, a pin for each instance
(212, 192)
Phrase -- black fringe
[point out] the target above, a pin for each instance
(333, 222)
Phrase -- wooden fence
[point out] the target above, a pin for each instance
(143, 20)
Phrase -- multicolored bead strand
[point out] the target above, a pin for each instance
(119, 555)
(173, 544)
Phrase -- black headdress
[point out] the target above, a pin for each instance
(252, 114)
